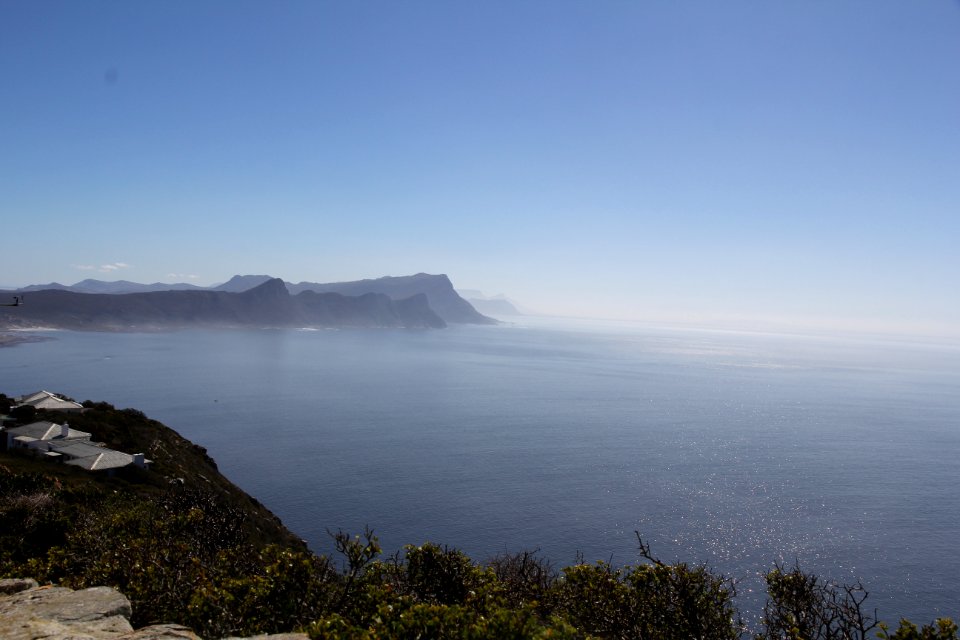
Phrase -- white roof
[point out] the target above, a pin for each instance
(92, 457)
(77, 449)
(50, 401)
(34, 396)
(106, 459)
(46, 430)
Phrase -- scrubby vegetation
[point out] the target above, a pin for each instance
(187, 547)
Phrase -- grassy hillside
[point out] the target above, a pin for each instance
(178, 465)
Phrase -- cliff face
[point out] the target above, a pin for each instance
(437, 289)
(494, 306)
(266, 305)
(367, 310)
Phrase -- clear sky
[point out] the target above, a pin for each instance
(742, 163)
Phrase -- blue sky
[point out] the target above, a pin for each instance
(745, 164)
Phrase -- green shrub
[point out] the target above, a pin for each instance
(655, 601)
(440, 575)
(444, 622)
(182, 555)
(942, 629)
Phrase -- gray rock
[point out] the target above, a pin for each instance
(16, 585)
(162, 632)
(56, 613)
(29, 612)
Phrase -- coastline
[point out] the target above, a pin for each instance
(9, 340)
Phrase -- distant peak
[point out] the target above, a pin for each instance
(272, 283)
(240, 283)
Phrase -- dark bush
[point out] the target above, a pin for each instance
(24, 414)
(523, 577)
(802, 606)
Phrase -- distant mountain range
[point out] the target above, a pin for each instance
(119, 286)
(418, 301)
(498, 305)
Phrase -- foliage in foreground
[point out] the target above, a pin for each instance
(182, 557)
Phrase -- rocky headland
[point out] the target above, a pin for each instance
(421, 301)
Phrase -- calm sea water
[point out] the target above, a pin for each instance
(733, 449)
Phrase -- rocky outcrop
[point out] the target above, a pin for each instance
(16, 585)
(439, 291)
(31, 612)
(57, 612)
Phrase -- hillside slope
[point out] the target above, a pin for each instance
(177, 465)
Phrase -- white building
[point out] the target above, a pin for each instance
(43, 431)
(61, 443)
(93, 457)
(50, 402)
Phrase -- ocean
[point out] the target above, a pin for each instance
(738, 450)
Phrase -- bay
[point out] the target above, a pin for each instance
(735, 449)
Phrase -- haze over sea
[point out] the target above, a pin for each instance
(734, 449)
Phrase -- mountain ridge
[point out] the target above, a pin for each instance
(267, 305)
(438, 290)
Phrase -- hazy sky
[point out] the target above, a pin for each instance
(726, 162)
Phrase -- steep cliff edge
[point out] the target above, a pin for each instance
(438, 289)
(168, 537)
